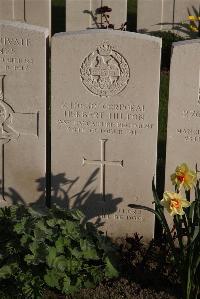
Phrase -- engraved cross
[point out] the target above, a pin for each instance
(103, 163)
(12, 126)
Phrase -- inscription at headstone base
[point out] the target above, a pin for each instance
(104, 126)
(183, 132)
(34, 12)
(153, 15)
(95, 14)
(22, 112)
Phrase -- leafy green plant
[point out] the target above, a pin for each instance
(184, 238)
(53, 251)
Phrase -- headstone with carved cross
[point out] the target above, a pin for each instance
(153, 15)
(35, 12)
(95, 14)
(104, 126)
(22, 112)
(183, 131)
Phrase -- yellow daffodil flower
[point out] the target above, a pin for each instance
(174, 203)
(193, 18)
(184, 176)
(193, 27)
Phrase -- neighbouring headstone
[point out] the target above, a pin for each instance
(105, 92)
(95, 14)
(22, 112)
(166, 15)
(35, 12)
(183, 132)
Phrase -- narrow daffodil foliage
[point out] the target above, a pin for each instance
(183, 237)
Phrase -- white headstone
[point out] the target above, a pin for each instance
(165, 15)
(183, 132)
(85, 14)
(23, 81)
(35, 12)
(105, 92)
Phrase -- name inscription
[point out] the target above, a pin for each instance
(92, 118)
(10, 60)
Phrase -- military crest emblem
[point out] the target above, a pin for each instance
(105, 72)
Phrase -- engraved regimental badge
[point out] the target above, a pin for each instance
(105, 72)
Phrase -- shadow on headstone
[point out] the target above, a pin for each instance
(183, 28)
(92, 204)
(93, 17)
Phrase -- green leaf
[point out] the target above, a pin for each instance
(141, 207)
(8, 270)
(41, 231)
(39, 250)
(25, 239)
(71, 229)
(76, 252)
(51, 256)
(66, 284)
(110, 270)
(19, 227)
(89, 250)
(60, 263)
(73, 266)
(75, 286)
(52, 279)
(77, 214)
(191, 211)
(60, 245)
(155, 195)
(97, 273)
(51, 222)
(29, 259)
(89, 284)
(195, 234)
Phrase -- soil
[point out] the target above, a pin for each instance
(145, 274)
(122, 289)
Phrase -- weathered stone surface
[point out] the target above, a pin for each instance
(105, 89)
(166, 15)
(35, 12)
(83, 14)
(23, 112)
(183, 133)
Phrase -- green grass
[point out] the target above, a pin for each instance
(132, 15)
(58, 16)
(162, 131)
(164, 94)
(132, 7)
(58, 3)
